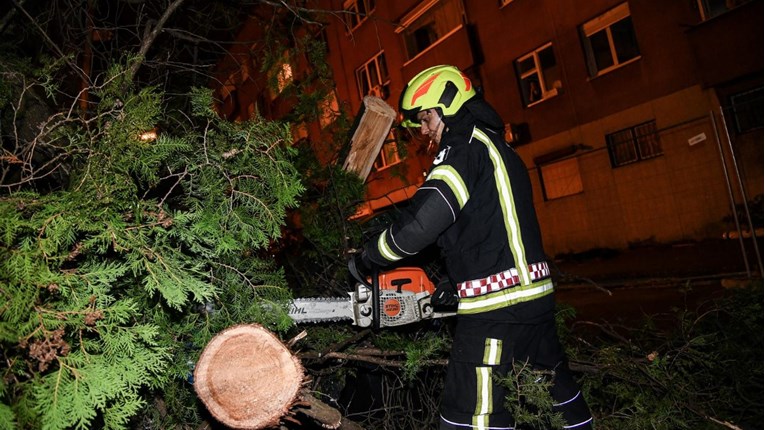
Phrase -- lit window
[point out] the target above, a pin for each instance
(561, 178)
(356, 12)
(712, 8)
(328, 109)
(538, 74)
(609, 40)
(634, 144)
(747, 111)
(372, 78)
(388, 154)
(428, 24)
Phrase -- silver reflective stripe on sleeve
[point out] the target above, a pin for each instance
(385, 249)
(453, 180)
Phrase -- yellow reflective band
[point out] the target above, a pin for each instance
(492, 351)
(385, 250)
(505, 298)
(453, 180)
(483, 405)
(504, 188)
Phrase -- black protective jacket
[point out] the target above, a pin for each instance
(477, 204)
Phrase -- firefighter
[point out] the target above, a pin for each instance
(476, 204)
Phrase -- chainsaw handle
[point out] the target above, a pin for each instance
(354, 271)
(375, 298)
(375, 287)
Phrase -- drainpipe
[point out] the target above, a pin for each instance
(737, 173)
(730, 194)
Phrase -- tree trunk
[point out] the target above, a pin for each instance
(248, 379)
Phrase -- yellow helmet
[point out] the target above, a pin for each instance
(444, 87)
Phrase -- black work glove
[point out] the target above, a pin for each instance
(360, 267)
(445, 295)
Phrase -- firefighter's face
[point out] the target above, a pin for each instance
(431, 124)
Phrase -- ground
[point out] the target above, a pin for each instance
(627, 284)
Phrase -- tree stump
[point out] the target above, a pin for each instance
(247, 378)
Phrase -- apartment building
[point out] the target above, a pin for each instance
(638, 120)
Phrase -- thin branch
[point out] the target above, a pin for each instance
(48, 40)
(150, 36)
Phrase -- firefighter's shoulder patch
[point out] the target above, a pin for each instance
(441, 157)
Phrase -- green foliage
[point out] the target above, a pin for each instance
(529, 398)
(112, 283)
(316, 258)
(427, 347)
(705, 372)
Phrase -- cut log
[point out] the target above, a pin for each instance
(373, 123)
(247, 378)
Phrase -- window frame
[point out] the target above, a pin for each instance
(634, 144)
(545, 93)
(381, 87)
(416, 20)
(606, 22)
(550, 190)
(354, 18)
(389, 147)
(707, 11)
(747, 111)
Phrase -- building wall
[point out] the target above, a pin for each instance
(679, 195)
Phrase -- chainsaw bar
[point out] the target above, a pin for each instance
(318, 310)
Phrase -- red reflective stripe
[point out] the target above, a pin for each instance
(500, 281)
(423, 89)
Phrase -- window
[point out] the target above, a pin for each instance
(712, 8)
(388, 154)
(372, 78)
(609, 41)
(430, 22)
(747, 111)
(357, 11)
(561, 178)
(538, 75)
(634, 144)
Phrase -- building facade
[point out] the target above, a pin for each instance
(639, 121)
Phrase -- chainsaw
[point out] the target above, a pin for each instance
(393, 298)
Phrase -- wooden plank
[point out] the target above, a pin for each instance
(375, 119)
